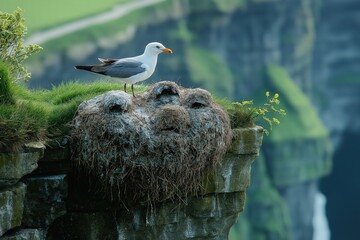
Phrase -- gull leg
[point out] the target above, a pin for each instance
(125, 87)
(132, 89)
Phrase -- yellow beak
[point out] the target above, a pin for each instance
(168, 50)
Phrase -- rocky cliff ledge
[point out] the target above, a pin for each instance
(58, 201)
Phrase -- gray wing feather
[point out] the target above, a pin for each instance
(124, 68)
(107, 60)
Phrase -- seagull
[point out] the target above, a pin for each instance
(132, 69)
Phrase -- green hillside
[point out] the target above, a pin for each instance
(42, 14)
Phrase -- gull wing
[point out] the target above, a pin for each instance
(107, 60)
(123, 68)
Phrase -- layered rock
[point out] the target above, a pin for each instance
(32, 203)
(336, 72)
(45, 200)
(14, 166)
(11, 206)
(25, 234)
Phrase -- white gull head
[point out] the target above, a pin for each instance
(155, 48)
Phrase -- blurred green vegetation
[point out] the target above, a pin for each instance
(208, 69)
(135, 18)
(53, 13)
(93, 32)
(302, 120)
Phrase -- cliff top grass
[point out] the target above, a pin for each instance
(37, 115)
(42, 114)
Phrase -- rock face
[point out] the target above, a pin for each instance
(45, 200)
(11, 206)
(34, 204)
(208, 213)
(336, 75)
(25, 234)
(14, 166)
(336, 72)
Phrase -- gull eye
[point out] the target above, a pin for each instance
(158, 47)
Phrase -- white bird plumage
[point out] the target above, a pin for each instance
(130, 70)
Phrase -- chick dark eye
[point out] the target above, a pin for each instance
(198, 104)
(158, 47)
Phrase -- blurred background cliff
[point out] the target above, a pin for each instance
(308, 51)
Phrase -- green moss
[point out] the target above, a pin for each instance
(6, 94)
(302, 120)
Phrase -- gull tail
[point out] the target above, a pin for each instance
(92, 68)
(87, 68)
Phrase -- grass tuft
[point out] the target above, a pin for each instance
(6, 94)
(42, 114)
(239, 116)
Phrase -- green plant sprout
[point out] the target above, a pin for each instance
(12, 49)
(244, 114)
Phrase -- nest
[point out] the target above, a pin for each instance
(158, 146)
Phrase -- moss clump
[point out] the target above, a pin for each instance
(6, 94)
(155, 147)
